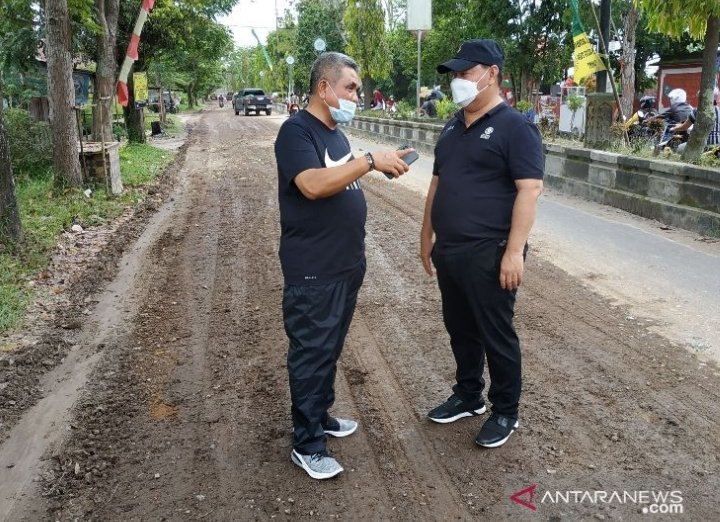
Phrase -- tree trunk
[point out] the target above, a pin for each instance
(706, 112)
(191, 94)
(368, 91)
(627, 62)
(61, 95)
(133, 118)
(10, 230)
(107, 19)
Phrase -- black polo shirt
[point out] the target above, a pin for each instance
(477, 168)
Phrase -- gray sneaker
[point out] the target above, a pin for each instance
(318, 465)
(336, 427)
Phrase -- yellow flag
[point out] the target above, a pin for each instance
(585, 59)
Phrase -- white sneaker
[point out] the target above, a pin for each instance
(340, 427)
(318, 465)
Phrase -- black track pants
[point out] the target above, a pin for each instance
(317, 319)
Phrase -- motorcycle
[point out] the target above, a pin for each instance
(643, 124)
(671, 140)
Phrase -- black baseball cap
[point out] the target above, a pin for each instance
(473, 52)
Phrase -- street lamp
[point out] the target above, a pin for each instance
(290, 60)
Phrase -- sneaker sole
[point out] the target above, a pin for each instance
(448, 420)
(341, 434)
(314, 474)
(501, 441)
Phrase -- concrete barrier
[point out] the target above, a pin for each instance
(677, 194)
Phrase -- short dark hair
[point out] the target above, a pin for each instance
(329, 66)
(500, 76)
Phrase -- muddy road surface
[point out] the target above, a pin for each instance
(184, 412)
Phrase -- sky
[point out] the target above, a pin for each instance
(258, 14)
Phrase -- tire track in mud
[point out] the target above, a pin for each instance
(605, 402)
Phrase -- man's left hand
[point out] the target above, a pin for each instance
(511, 270)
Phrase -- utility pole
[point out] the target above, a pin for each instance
(419, 18)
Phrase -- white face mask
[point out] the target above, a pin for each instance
(465, 91)
(345, 113)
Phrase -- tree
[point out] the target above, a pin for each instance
(107, 13)
(367, 42)
(184, 36)
(316, 19)
(17, 37)
(281, 44)
(10, 228)
(627, 62)
(61, 93)
(700, 19)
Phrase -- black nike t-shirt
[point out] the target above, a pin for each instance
(322, 240)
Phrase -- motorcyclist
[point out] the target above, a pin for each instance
(637, 125)
(678, 112)
(293, 103)
(646, 110)
(713, 138)
(221, 100)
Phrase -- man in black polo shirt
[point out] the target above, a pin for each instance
(480, 207)
(322, 250)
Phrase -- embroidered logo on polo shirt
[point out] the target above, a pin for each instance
(486, 135)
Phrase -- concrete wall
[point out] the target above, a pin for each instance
(673, 193)
(421, 136)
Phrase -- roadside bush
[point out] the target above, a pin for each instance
(405, 110)
(446, 108)
(30, 142)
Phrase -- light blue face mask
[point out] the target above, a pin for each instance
(345, 113)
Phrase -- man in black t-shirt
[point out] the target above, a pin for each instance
(322, 250)
(480, 207)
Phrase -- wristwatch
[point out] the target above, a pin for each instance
(370, 160)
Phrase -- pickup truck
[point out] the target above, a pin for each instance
(252, 100)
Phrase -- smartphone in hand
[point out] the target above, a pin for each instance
(409, 159)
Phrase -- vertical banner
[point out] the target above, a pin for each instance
(585, 59)
(140, 87)
(132, 52)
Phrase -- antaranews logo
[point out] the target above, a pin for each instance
(650, 502)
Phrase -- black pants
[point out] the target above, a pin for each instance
(478, 315)
(317, 319)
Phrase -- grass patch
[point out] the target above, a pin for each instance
(173, 125)
(141, 163)
(45, 213)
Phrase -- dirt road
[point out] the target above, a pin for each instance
(185, 414)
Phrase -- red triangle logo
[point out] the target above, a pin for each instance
(528, 493)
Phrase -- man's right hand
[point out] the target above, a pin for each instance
(390, 161)
(426, 246)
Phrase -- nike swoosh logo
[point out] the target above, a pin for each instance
(329, 162)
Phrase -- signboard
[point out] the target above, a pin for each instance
(36, 82)
(419, 15)
(140, 87)
(81, 81)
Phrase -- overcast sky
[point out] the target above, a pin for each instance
(258, 14)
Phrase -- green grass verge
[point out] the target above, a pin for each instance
(173, 125)
(45, 213)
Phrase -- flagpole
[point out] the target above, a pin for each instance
(604, 56)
